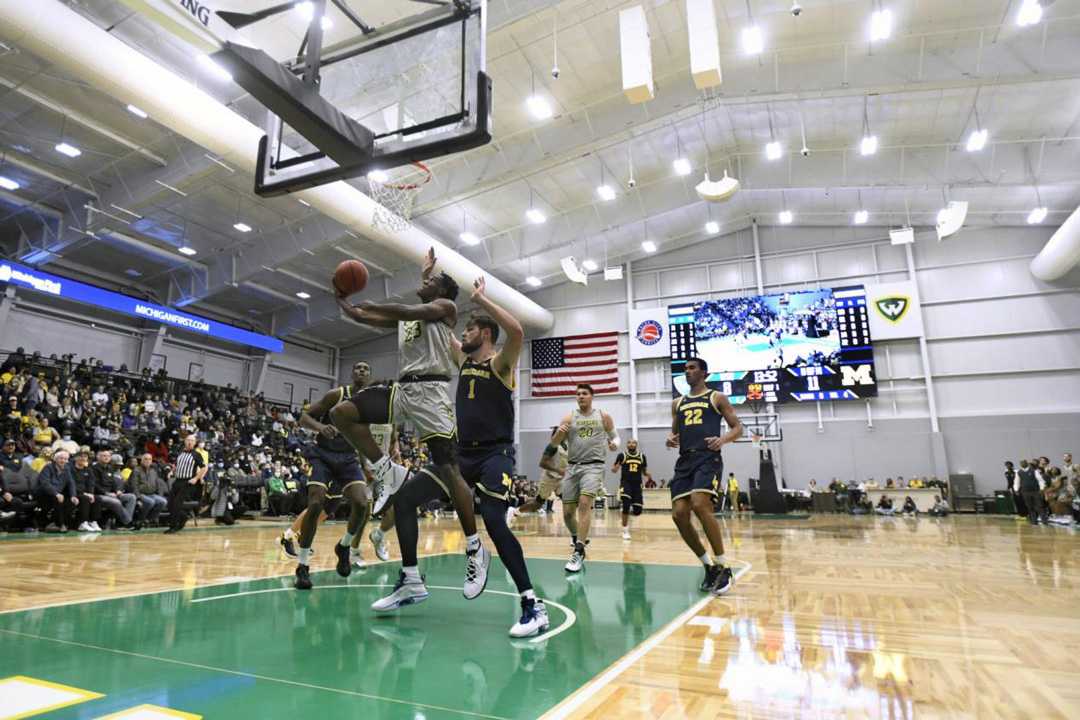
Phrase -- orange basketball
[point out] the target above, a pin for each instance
(350, 277)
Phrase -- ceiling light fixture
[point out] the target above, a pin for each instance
(137, 112)
(880, 25)
(378, 176)
(753, 41)
(469, 238)
(69, 150)
(861, 216)
(8, 183)
(712, 227)
(977, 140)
(785, 217)
(869, 143)
(648, 246)
(307, 11)
(590, 265)
(533, 281)
(185, 250)
(242, 227)
(773, 151)
(1036, 216)
(303, 295)
(1030, 13)
(213, 68)
(605, 193)
(536, 217)
(538, 105)
(682, 166)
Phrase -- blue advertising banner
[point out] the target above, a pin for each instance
(62, 287)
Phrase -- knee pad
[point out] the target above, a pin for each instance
(636, 510)
(443, 450)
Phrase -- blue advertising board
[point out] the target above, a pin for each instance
(68, 289)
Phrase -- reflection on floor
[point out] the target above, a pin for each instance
(838, 616)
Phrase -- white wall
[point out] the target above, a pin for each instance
(1004, 352)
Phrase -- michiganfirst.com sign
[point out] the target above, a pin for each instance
(42, 282)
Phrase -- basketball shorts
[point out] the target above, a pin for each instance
(489, 470)
(425, 405)
(697, 472)
(334, 471)
(582, 479)
(631, 497)
(550, 484)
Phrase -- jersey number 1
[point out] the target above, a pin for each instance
(472, 388)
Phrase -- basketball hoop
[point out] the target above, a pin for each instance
(396, 198)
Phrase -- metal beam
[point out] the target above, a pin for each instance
(86, 122)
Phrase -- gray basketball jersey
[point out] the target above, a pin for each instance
(424, 348)
(587, 439)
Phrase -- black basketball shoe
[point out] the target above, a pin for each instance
(344, 566)
(712, 574)
(724, 581)
(303, 578)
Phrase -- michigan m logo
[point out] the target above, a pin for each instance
(856, 375)
(893, 308)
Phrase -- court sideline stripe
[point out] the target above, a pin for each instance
(586, 692)
(240, 673)
(183, 588)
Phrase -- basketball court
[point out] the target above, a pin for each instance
(856, 221)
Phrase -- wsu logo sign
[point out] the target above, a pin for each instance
(893, 308)
(649, 332)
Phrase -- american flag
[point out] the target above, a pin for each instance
(559, 364)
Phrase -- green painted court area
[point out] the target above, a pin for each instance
(262, 649)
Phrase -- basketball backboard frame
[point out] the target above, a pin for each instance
(336, 145)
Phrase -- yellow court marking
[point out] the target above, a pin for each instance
(27, 696)
(150, 712)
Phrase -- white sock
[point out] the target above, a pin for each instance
(377, 535)
(289, 534)
(472, 542)
(346, 539)
(721, 560)
(380, 465)
(305, 556)
(529, 594)
(354, 552)
(412, 574)
(704, 558)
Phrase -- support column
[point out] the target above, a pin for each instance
(776, 448)
(941, 459)
(6, 303)
(152, 341)
(262, 364)
(633, 367)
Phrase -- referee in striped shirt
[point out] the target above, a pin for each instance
(189, 470)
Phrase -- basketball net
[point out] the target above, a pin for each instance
(396, 199)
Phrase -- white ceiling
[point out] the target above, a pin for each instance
(918, 89)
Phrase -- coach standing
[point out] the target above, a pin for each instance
(189, 470)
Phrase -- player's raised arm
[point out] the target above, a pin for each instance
(365, 314)
(437, 309)
(506, 359)
(547, 460)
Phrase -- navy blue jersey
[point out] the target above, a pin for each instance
(697, 419)
(485, 405)
(633, 466)
(339, 443)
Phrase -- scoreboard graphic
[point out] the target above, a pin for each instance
(789, 347)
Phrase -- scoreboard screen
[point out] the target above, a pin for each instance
(790, 347)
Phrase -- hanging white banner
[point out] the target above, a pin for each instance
(894, 311)
(648, 333)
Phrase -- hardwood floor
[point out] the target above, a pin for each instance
(971, 616)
